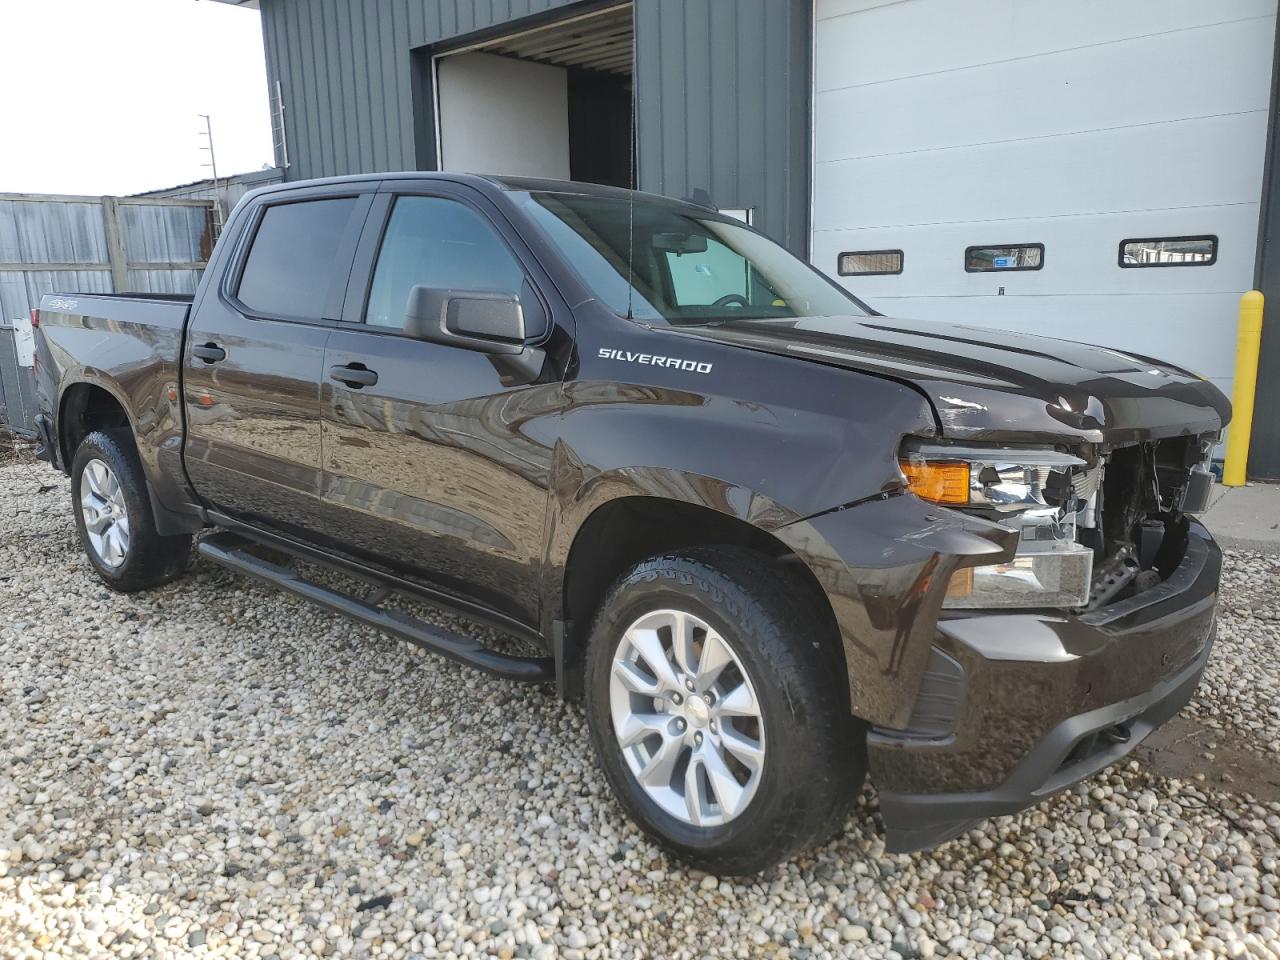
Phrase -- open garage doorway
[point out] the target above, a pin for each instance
(551, 101)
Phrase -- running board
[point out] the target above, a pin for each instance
(230, 550)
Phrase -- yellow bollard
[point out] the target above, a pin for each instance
(1248, 343)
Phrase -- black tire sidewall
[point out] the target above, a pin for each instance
(778, 812)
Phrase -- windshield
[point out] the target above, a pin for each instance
(680, 267)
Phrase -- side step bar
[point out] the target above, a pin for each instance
(229, 549)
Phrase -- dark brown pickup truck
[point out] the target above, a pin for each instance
(773, 540)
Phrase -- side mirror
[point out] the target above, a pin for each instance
(491, 321)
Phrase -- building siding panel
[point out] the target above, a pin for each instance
(722, 104)
(722, 92)
(345, 73)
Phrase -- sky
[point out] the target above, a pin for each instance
(103, 96)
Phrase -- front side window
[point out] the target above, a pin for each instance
(293, 257)
(435, 242)
(657, 261)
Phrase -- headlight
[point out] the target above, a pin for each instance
(1038, 492)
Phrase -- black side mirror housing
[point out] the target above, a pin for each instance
(490, 321)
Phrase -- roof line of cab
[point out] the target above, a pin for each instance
(487, 183)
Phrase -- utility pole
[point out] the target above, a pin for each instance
(213, 166)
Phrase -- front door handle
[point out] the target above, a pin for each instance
(209, 352)
(354, 375)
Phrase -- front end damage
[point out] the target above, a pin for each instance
(992, 674)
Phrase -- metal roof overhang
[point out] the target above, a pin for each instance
(600, 40)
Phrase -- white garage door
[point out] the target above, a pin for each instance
(940, 126)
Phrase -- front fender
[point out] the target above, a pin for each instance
(578, 491)
(884, 565)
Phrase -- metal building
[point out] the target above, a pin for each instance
(1017, 167)
(224, 191)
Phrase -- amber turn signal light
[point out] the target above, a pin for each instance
(939, 481)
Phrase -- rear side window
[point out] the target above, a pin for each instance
(293, 257)
(435, 242)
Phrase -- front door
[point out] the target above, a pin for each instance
(254, 356)
(432, 464)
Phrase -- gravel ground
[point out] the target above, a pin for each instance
(218, 770)
(1241, 690)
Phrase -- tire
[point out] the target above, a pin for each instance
(125, 551)
(813, 750)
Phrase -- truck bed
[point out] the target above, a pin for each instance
(127, 346)
(164, 310)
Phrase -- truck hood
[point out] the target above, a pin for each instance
(989, 384)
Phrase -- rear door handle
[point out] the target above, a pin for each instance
(209, 352)
(354, 375)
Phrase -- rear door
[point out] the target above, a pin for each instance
(254, 355)
(433, 464)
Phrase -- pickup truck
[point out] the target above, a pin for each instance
(774, 541)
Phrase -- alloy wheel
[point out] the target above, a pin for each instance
(687, 718)
(106, 518)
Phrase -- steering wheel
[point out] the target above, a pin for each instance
(731, 298)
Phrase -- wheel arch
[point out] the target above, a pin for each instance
(620, 531)
(84, 407)
(88, 405)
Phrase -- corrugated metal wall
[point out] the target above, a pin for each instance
(345, 74)
(17, 386)
(722, 92)
(229, 190)
(51, 244)
(722, 103)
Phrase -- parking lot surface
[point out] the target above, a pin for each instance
(215, 769)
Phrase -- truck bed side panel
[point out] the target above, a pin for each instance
(129, 347)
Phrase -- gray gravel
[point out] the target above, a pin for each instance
(1241, 689)
(218, 770)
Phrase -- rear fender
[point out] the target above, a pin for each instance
(169, 521)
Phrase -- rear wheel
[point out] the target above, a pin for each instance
(716, 714)
(114, 516)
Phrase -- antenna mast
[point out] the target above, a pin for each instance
(218, 213)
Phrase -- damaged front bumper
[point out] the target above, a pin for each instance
(1017, 707)
(978, 713)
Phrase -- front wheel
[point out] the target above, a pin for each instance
(114, 517)
(716, 713)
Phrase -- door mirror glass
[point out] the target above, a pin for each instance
(488, 320)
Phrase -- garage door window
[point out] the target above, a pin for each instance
(870, 263)
(1169, 252)
(1004, 258)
